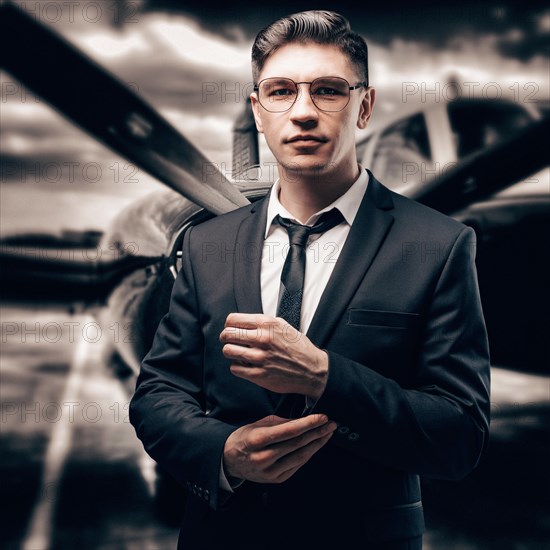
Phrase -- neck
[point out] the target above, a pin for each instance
(303, 196)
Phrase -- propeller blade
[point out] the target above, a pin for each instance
(489, 171)
(106, 108)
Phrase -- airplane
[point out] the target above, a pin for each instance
(481, 162)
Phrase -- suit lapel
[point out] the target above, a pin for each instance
(248, 259)
(366, 235)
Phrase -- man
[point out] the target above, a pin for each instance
(299, 408)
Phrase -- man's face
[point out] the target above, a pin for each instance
(305, 138)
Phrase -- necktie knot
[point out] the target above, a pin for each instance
(298, 234)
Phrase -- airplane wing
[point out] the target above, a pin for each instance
(102, 105)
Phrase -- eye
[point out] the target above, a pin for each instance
(325, 90)
(282, 91)
(329, 88)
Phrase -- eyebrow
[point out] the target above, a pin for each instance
(282, 78)
(277, 79)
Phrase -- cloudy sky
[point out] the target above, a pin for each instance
(191, 62)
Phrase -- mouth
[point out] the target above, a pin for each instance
(306, 139)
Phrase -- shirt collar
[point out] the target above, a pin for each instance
(348, 203)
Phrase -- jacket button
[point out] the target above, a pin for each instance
(343, 429)
(353, 436)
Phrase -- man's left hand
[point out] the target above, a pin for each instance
(274, 355)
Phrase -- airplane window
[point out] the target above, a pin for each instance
(402, 152)
(477, 126)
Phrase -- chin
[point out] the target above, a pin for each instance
(307, 164)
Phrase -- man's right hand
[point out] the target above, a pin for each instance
(272, 449)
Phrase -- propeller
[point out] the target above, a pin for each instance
(489, 171)
(105, 107)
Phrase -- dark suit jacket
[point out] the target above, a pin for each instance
(408, 380)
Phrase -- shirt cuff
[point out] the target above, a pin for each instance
(228, 483)
(310, 403)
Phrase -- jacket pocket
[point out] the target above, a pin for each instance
(391, 319)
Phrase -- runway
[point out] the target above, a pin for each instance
(73, 474)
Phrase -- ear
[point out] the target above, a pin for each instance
(366, 107)
(256, 110)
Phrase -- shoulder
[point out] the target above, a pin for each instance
(423, 214)
(419, 231)
(223, 225)
(419, 220)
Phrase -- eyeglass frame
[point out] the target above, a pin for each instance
(256, 88)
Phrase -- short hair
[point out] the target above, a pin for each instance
(317, 26)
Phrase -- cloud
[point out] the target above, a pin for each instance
(199, 47)
(410, 75)
(173, 64)
(109, 45)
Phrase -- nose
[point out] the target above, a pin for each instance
(304, 111)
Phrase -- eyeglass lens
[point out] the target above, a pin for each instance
(328, 93)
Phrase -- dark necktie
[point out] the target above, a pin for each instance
(292, 277)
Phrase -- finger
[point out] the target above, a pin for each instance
(238, 335)
(272, 453)
(243, 354)
(249, 320)
(283, 448)
(263, 436)
(301, 456)
(270, 420)
(244, 320)
(259, 335)
(285, 467)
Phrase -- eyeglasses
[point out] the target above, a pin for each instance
(328, 93)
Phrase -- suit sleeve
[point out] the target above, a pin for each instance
(439, 426)
(168, 409)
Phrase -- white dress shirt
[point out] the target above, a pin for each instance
(322, 251)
